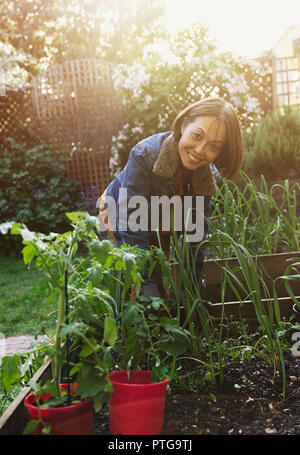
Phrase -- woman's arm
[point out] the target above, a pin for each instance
(133, 201)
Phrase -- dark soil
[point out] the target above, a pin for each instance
(250, 403)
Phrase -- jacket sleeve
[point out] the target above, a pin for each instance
(133, 201)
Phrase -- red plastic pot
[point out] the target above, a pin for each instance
(136, 405)
(75, 419)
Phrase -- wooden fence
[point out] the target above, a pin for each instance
(73, 107)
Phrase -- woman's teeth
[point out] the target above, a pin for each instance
(192, 158)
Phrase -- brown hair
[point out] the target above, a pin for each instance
(230, 159)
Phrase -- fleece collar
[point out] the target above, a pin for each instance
(203, 180)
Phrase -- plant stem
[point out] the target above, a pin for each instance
(60, 321)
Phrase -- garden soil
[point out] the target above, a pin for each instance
(249, 403)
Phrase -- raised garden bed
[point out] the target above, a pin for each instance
(249, 403)
(250, 400)
(14, 419)
(272, 267)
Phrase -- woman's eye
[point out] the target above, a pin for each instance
(214, 147)
(197, 136)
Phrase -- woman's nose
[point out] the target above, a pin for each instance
(199, 149)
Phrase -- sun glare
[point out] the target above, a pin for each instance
(247, 28)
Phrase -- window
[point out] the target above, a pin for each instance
(296, 46)
(283, 99)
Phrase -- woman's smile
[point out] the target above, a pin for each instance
(193, 158)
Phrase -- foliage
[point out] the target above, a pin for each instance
(272, 147)
(37, 33)
(99, 323)
(264, 220)
(148, 334)
(183, 69)
(16, 371)
(247, 283)
(56, 255)
(34, 188)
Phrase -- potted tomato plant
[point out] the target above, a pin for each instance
(58, 406)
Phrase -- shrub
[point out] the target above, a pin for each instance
(35, 191)
(272, 147)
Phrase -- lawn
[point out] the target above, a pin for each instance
(23, 299)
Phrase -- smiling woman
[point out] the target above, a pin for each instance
(178, 163)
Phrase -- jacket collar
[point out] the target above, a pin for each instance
(203, 180)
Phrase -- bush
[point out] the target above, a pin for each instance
(35, 191)
(272, 147)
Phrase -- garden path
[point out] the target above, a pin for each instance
(17, 344)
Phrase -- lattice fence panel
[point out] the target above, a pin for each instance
(77, 110)
(90, 169)
(16, 115)
(76, 104)
(72, 107)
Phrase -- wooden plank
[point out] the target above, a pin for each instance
(246, 309)
(272, 265)
(213, 292)
(14, 419)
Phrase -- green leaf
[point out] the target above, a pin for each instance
(10, 371)
(26, 366)
(30, 427)
(130, 314)
(47, 429)
(16, 227)
(74, 328)
(100, 399)
(75, 369)
(110, 331)
(168, 323)
(95, 277)
(29, 252)
(156, 302)
(90, 385)
(86, 351)
(100, 250)
(142, 332)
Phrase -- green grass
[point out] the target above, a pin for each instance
(23, 299)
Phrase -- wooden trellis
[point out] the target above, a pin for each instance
(77, 112)
(90, 169)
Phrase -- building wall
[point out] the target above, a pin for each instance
(284, 47)
(286, 69)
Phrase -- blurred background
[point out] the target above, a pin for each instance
(82, 81)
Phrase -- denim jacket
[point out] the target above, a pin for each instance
(151, 171)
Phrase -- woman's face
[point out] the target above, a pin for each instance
(201, 142)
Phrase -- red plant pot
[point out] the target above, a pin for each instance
(136, 405)
(75, 419)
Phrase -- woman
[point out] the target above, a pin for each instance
(204, 145)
